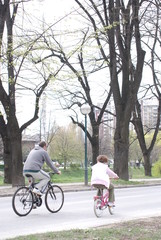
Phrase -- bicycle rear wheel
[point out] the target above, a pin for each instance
(111, 210)
(97, 208)
(54, 198)
(22, 201)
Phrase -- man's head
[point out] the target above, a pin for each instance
(43, 144)
(102, 159)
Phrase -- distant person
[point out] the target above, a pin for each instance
(101, 175)
(137, 163)
(34, 163)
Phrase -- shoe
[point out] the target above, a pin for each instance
(110, 204)
(34, 206)
(37, 191)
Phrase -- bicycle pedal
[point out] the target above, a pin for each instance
(97, 197)
(111, 206)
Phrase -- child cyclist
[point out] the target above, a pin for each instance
(101, 175)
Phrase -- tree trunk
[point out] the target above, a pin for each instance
(121, 151)
(147, 165)
(65, 162)
(15, 137)
(7, 161)
(95, 144)
(17, 164)
(6, 151)
(138, 124)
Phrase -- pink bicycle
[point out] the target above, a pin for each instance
(101, 201)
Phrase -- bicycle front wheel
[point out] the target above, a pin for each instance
(97, 208)
(54, 198)
(22, 201)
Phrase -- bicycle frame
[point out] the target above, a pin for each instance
(104, 198)
(32, 183)
(101, 200)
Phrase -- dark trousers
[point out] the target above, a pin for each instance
(111, 191)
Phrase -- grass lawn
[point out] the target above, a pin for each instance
(77, 175)
(137, 173)
(72, 175)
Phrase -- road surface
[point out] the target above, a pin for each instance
(77, 212)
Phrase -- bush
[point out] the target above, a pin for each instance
(156, 169)
(75, 166)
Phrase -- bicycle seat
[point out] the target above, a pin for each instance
(28, 175)
(100, 186)
(30, 178)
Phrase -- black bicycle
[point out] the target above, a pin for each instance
(24, 200)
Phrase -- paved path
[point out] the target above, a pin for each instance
(9, 190)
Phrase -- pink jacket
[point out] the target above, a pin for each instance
(101, 174)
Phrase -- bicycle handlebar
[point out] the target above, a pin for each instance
(52, 173)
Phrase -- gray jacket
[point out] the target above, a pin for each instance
(36, 159)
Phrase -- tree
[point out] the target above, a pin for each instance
(117, 33)
(79, 67)
(157, 149)
(135, 153)
(118, 30)
(120, 27)
(67, 146)
(17, 70)
(152, 33)
(48, 126)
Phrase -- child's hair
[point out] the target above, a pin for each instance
(102, 159)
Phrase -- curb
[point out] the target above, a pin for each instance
(8, 191)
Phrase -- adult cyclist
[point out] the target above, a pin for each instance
(34, 163)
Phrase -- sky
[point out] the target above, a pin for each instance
(51, 11)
